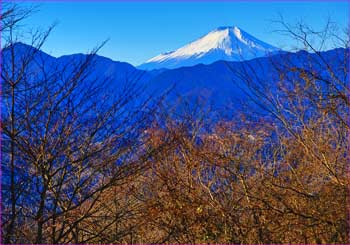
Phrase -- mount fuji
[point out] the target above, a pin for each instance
(223, 43)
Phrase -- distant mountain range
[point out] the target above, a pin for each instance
(218, 84)
(223, 43)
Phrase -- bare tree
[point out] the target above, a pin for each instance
(307, 95)
(66, 139)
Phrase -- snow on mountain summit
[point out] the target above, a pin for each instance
(223, 43)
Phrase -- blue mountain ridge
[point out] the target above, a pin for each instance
(218, 85)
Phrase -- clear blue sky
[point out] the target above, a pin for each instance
(141, 30)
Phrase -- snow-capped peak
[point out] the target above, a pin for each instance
(223, 43)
